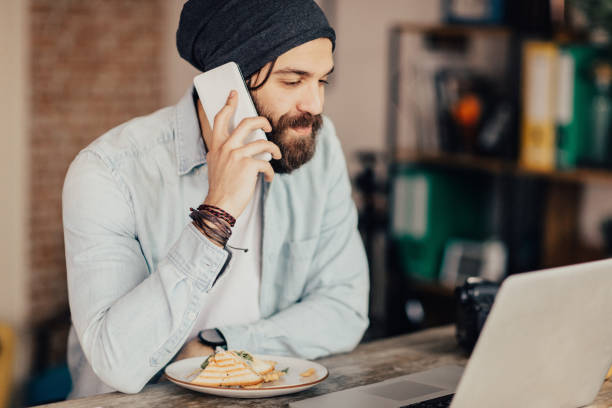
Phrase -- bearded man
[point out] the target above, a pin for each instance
(178, 240)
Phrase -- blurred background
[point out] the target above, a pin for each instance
(477, 135)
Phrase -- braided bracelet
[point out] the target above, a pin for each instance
(218, 212)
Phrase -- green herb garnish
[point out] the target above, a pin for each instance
(205, 363)
(286, 370)
(245, 355)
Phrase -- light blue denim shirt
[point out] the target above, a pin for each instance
(138, 271)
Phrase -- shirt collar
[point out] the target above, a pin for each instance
(190, 150)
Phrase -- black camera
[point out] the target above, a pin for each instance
(473, 302)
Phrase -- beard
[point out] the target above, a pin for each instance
(296, 149)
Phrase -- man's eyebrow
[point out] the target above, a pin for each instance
(299, 72)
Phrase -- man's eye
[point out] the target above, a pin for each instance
(293, 83)
(324, 81)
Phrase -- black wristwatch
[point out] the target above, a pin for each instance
(212, 338)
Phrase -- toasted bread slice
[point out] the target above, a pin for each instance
(226, 369)
(261, 367)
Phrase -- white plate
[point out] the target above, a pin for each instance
(184, 371)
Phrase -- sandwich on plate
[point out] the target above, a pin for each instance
(236, 369)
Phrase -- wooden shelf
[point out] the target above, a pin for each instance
(454, 29)
(432, 288)
(501, 166)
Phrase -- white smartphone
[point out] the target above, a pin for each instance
(215, 85)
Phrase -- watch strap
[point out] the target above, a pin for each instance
(212, 338)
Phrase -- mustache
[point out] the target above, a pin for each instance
(304, 120)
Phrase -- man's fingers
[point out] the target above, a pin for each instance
(265, 168)
(260, 146)
(245, 127)
(221, 123)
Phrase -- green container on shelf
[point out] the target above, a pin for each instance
(429, 207)
(575, 96)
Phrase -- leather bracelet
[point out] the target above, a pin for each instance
(217, 222)
(218, 212)
(214, 228)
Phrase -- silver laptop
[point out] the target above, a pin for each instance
(546, 343)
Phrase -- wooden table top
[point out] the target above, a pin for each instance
(368, 363)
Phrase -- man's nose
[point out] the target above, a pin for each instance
(311, 100)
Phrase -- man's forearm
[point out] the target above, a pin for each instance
(128, 338)
(331, 319)
(316, 327)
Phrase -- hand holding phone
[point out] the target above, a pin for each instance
(232, 166)
(214, 86)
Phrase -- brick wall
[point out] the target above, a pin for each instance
(94, 65)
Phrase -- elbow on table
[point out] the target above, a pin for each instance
(119, 366)
(354, 336)
(120, 377)
(126, 384)
(346, 339)
(354, 323)
(133, 388)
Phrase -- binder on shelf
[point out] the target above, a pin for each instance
(575, 95)
(538, 141)
(429, 206)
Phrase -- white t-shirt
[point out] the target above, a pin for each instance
(234, 299)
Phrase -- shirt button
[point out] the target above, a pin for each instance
(191, 315)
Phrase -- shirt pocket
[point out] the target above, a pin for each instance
(296, 258)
